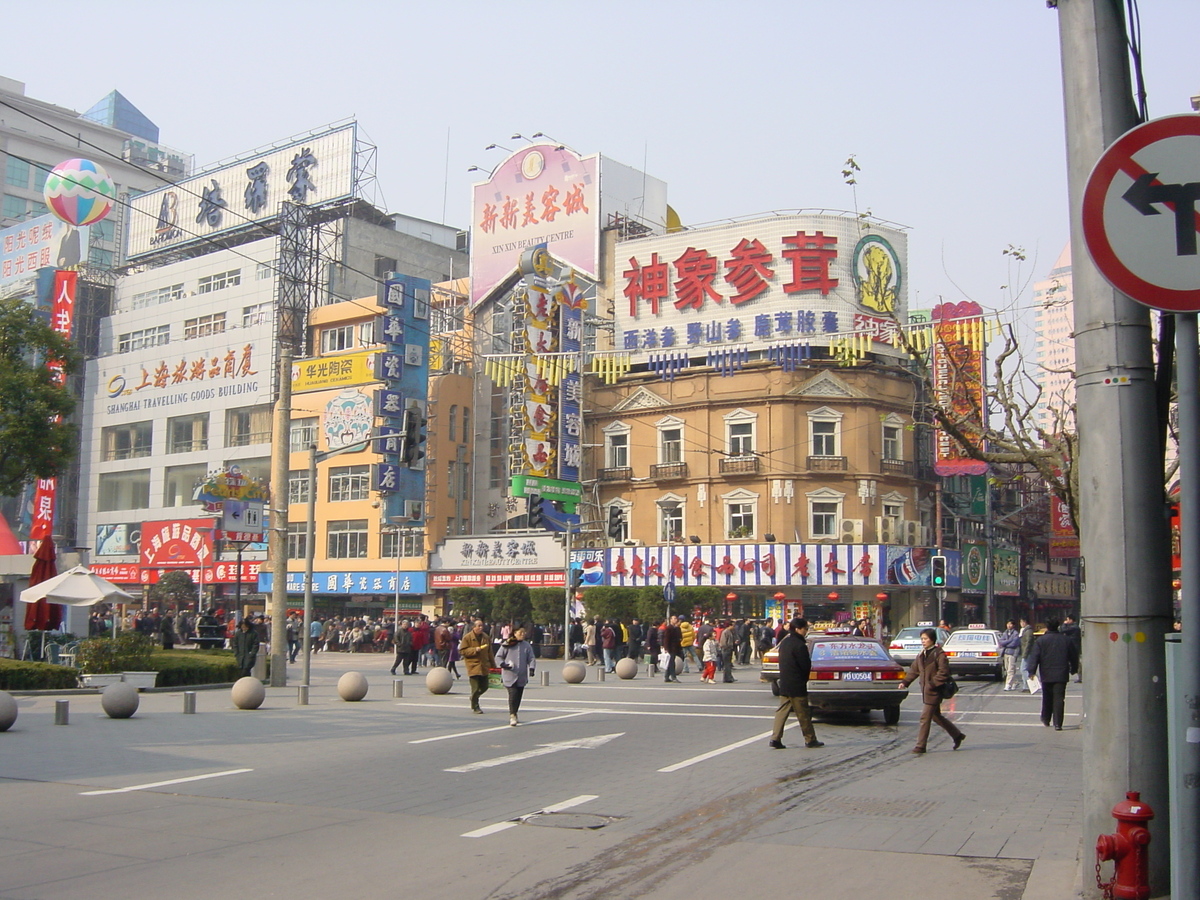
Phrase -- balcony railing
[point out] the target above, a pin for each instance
(896, 467)
(669, 471)
(621, 473)
(827, 463)
(739, 465)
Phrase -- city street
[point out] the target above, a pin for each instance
(632, 788)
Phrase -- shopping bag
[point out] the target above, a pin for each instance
(1035, 684)
(494, 679)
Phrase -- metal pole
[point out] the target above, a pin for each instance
(989, 531)
(566, 635)
(396, 623)
(1185, 814)
(237, 590)
(1124, 538)
(310, 550)
(280, 464)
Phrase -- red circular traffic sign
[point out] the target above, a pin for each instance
(1140, 213)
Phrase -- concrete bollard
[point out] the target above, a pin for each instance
(545, 678)
(302, 695)
(189, 703)
(601, 673)
(397, 688)
(62, 712)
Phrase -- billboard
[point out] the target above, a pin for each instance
(46, 241)
(759, 282)
(315, 171)
(541, 195)
(958, 383)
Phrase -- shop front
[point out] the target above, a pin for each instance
(483, 562)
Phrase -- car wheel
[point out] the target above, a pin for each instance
(775, 688)
(891, 715)
(998, 674)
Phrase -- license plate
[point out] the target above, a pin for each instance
(856, 676)
(972, 655)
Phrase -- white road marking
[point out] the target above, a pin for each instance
(445, 737)
(542, 750)
(512, 823)
(158, 784)
(720, 750)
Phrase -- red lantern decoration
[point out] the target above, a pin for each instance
(780, 596)
(881, 597)
(834, 596)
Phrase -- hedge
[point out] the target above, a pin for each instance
(180, 668)
(21, 675)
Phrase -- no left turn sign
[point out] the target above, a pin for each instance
(1140, 218)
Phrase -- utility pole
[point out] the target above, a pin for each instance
(277, 539)
(1126, 596)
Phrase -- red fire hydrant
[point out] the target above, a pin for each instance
(1129, 847)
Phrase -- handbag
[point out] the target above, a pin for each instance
(949, 688)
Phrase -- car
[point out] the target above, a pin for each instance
(848, 673)
(975, 651)
(906, 643)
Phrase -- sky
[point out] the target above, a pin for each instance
(953, 110)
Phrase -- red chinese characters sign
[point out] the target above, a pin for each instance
(184, 544)
(1064, 542)
(958, 384)
(62, 320)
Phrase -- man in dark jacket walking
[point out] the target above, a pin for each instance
(1053, 659)
(1075, 636)
(672, 643)
(794, 667)
(728, 644)
(245, 647)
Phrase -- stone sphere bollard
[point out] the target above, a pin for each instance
(679, 665)
(627, 668)
(352, 686)
(119, 700)
(574, 672)
(439, 680)
(8, 711)
(248, 693)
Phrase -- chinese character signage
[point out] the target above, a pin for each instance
(543, 194)
(46, 241)
(324, 372)
(178, 544)
(958, 362)
(759, 282)
(1064, 542)
(151, 380)
(62, 320)
(347, 583)
(315, 171)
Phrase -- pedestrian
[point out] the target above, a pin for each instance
(1054, 659)
(636, 636)
(653, 645)
(476, 649)
(933, 669)
(516, 661)
(293, 638)
(608, 644)
(441, 642)
(1075, 636)
(687, 645)
(169, 637)
(672, 645)
(245, 647)
(589, 641)
(743, 636)
(795, 664)
(1027, 637)
(403, 647)
(454, 656)
(1010, 648)
(728, 644)
(710, 655)
(576, 639)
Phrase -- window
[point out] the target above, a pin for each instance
(825, 513)
(39, 184)
(264, 271)
(13, 208)
(670, 519)
(453, 423)
(303, 434)
(298, 486)
(347, 539)
(248, 425)
(670, 444)
(124, 490)
(146, 337)
(219, 281)
(16, 172)
(125, 441)
(157, 296)
(383, 265)
(894, 512)
(741, 519)
(255, 468)
(349, 483)
(186, 433)
(891, 442)
(407, 543)
(618, 450)
(258, 314)
(334, 340)
(179, 485)
(466, 424)
(297, 539)
(739, 431)
(202, 326)
(824, 438)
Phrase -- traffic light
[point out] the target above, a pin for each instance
(616, 522)
(412, 450)
(937, 571)
(576, 579)
(535, 516)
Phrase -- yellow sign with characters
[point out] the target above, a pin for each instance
(324, 372)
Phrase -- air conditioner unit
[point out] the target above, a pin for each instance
(852, 531)
(885, 529)
(913, 533)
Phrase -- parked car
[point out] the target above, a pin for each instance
(848, 673)
(906, 643)
(975, 651)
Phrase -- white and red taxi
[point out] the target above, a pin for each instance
(848, 673)
(975, 650)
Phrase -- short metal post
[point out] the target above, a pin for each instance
(189, 702)
(62, 712)
(545, 678)
(302, 695)
(601, 670)
(397, 687)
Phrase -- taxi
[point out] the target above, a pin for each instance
(975, 650)
(906, 643)
(848, 673)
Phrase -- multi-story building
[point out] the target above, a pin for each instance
(1054, 344)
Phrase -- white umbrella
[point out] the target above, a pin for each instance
(79, 586)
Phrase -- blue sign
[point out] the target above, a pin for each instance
(347, 583)
(387, 440)
(389, 367)
(389, 329)
(385, 477)
(389, 404)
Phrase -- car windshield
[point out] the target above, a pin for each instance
(909, 634)
(971, 637)
(849, 651)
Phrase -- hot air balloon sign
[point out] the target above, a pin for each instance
(80, 192)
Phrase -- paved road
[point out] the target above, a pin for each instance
(628, 788)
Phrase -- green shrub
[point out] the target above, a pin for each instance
(20, 675)
(127, 652)
(179, 668)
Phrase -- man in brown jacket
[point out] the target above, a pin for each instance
(476, 649)
(934, 671)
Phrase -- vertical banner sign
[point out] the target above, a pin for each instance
(571, 305)
(958, 383)
(62, 318)
(1064, 543)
